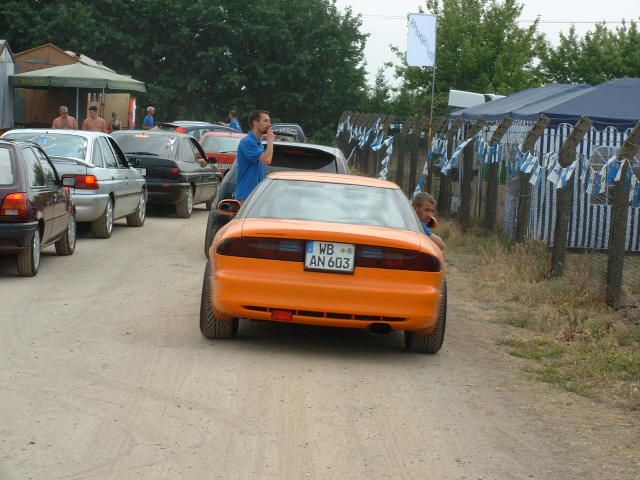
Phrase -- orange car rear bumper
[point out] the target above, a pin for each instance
(253, 288)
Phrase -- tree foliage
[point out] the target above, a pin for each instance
(601, 55)
(300, 59)
(480, 48)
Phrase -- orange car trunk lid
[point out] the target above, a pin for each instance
(332, 232)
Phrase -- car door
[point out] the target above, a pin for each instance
(42, 196)
(59, 194)
(209, 177)
(118, 180)
(134, 181)
(190, 167)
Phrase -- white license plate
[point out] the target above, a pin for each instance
(223, 166)
(329, 257)
(143, 171)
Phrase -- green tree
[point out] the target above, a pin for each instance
(300, 59)
(601, 55)
(480, 48)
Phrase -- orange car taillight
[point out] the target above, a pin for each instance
(181, 130)
(15, 204)
(396, 259)
(85, 182)
(265, 248)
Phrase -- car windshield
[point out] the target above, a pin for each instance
(216, 144)
(6, 167)
(55, 144)
(334, 202)
(143, 144)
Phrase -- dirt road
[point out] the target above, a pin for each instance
(104, 375)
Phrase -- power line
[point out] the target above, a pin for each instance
(397, 17)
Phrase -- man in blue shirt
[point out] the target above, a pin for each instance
(149, 122)
(252, 156)
(425, 207)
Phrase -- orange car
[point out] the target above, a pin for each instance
(221, 148)
(326, 249)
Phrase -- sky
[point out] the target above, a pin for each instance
(385, 21)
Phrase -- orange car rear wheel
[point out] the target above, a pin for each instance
(432, 342)
(211, 325)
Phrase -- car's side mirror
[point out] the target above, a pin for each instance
(229, 206)
(69, 182)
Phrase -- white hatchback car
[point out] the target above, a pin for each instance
(106, 186)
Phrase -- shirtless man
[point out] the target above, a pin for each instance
(93, 122)
(65, 121)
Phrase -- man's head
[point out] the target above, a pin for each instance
(63, 111)
(425, 206)
(93, 111)
(233, 114)
(151, 110)
(260, 122)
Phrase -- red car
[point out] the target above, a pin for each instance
(221, 148)
(35, 206)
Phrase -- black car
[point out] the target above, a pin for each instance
(286, 156)
(192, 127)
(175, 167)
(35, 206)
(288, 131)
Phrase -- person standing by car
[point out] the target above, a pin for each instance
(149, 122)
(93, 122)
(252, 156)
(425, 206)
(64, 121)
(233, 121)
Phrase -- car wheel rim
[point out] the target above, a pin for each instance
(189, 201)
(36, 249)
(71, 232)
(109, 217)
(142, 208)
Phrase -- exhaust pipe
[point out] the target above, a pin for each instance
(380, 328)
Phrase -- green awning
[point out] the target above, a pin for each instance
(76, 75)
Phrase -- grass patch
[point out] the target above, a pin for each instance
(568, 335)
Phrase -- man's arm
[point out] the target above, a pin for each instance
(85, 125)
(438, 241)
(267, 156)
(104, 126)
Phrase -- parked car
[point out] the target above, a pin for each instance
(221, 148)
(288, 131)
(330, 250)
(192, 127)
(286, 156)
(106, 186)
(35, 207)
(175, 167)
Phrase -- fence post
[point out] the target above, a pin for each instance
(341, 140)
(467, 174)
(619, 219)
(524, 189)
(365, 149)
(435, 128)
(564, 197)
(413, 156)
(444, 192)
(386, 127)
(491, 208)
(401, 164)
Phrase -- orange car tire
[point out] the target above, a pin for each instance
(431, 342)
(212, 325)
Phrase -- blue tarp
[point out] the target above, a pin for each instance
(503, 107)
(615, 103)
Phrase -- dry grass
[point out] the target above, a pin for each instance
(565, 329)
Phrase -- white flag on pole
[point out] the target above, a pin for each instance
(421, 40)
